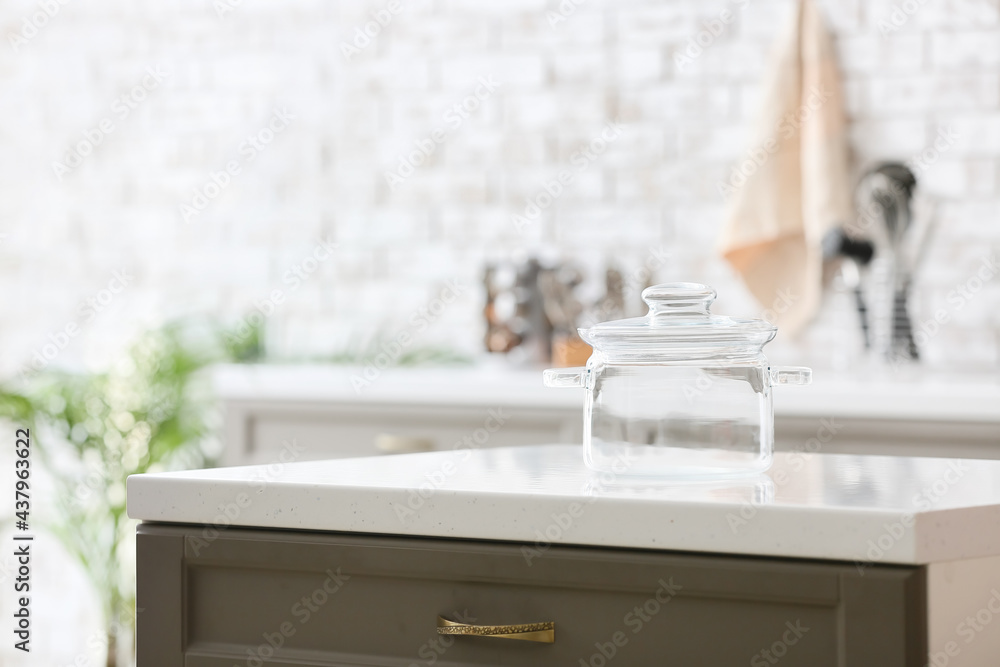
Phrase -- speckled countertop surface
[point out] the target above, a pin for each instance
(827, 506)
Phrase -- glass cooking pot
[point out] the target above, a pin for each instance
(679, 392)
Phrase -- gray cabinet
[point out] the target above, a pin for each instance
(316, 408)
(284, 598)
(258, 431)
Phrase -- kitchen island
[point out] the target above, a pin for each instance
(521, 556)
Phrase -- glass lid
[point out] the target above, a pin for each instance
(678, 320)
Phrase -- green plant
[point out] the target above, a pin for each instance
(149, 412)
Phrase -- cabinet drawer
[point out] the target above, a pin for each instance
(294, 598)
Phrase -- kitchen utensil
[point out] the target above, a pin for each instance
(679, 392)
(516, 324)
(891, 185)
(855, 254)
(560, 305)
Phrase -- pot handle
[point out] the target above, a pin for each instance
(565, 377)
(791, 375)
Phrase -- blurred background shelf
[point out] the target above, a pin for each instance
(327, 413)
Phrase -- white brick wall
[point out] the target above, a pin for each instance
(906, 76)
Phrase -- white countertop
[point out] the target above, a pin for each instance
(827, 506)
(926, 397)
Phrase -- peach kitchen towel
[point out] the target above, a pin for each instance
(792, 186)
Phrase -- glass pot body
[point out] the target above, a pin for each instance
(674, 402)
(680, 418)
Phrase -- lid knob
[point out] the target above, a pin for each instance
(678, 298)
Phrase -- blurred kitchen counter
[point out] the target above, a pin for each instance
(276, 412)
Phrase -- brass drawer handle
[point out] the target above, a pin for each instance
(544, 633)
